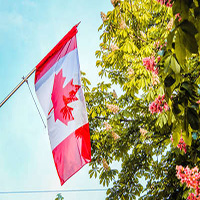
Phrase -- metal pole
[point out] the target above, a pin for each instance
(17, 87)
(21, 83)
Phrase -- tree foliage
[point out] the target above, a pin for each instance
(59, 197)
(151, 52)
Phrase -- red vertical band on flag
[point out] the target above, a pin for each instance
(55, 54)
(72, 153)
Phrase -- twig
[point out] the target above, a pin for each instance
(121, 120)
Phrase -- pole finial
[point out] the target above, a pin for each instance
(78, 24)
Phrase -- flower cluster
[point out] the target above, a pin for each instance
(178, 16)
(158, 105)
(155, 79)
(103, 16)
(107, 126)
(198, 101)
(115, 135)
(113, 108)
(105, 164)
(192, 179)
(150, 64)
(158, 45)
(181, 145)
(130, 71)
(192, 196)
(143, 132)
(122, 24)
(170, 24)
(114, 47)
(165, 2)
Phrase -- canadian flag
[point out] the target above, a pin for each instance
(58, 88)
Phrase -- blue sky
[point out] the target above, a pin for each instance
(29, 29)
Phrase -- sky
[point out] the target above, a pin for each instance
(29, 29)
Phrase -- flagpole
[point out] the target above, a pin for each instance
(22, 82)
(17, 87)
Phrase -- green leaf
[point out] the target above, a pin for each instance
(188, 27)
(167, 64)
(196, 11)
(169, 81)
(162, 120)
(176, 109)
(180, 48)
(190, 42)
(165, 118)
(181, 7)
(185, 122)
(98, 62)
(91, 174)
(176, 135)
(98, 54)
(171, 118)
(185, 194)
(187, 86)
(174, 65)
(168, 92)
(94, 114)
(105, 39)
(129, 47)
(187, 138)
(100, 27)
(193, 118)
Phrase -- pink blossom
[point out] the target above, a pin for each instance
(167, 3)
(181, 145)
(192, 179)
(192, 196)
(150, 64)
(107, 126)
(113, 108)
(158, 105)
(166, 107)
(143, 132)
(156, 44)
(171, 138)
(178, 16)
(156, 71)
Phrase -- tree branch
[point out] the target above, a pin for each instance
(121, 120)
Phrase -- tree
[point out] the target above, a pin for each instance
(150, 50)
(59, 197)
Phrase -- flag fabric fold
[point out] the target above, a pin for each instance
(58, 88)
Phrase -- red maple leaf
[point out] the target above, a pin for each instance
(62, 96)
